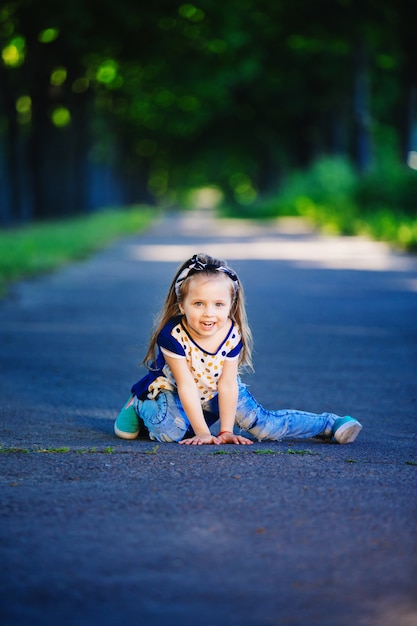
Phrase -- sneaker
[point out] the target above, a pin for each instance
(126, 425)
(346, 429)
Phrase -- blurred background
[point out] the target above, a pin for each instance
(262, 107)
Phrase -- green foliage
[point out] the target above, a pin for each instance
(329, 184)
(381, 204)
(391, 186)
(174, 95)
(32, 250)
(323, 194)
(396, 227)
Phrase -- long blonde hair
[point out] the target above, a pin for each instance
(203, 263)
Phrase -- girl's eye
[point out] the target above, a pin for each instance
(219, 304)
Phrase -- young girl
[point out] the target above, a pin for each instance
(193, 359)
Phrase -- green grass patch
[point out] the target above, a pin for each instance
(63, 450)
(153, 450)
(36, 249)
(300, 452)
(222, 452)
(54, 450)
(263, 451)
(288, 451)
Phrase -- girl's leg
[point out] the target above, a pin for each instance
(164, 417)
(277, 425)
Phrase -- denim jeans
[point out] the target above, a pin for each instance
(166, 420)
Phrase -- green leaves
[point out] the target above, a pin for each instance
(205, 91)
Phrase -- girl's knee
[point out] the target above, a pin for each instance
(153, 412)
(167, 427)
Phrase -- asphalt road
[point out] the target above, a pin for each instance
(96, 530)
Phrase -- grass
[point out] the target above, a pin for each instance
(29, 251)
(263, 451)
(288, 451)
(153, 450)
(222, 452)
(64, 450)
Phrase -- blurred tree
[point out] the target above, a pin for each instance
(104, 102)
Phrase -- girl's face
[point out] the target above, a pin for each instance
(207, 304)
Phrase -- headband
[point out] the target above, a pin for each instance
(195, 265)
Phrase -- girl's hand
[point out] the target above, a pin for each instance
(199, 440)
(231, 438)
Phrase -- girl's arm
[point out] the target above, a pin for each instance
(190, 400)
(228, 395)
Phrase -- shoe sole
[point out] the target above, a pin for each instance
(124, 435)
(348, 432)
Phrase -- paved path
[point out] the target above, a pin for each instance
(295, 533)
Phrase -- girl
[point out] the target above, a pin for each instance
(193, 359)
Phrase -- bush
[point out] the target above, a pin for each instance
(329, 180)
(330, 194)
(394, 187)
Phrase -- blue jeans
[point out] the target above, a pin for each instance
(166, 420)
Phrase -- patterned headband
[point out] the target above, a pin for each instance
(196, 265)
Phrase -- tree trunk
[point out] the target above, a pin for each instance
(362, 109)
(10, 199)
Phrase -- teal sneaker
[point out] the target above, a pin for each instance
(127, 425)
(346, 429)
